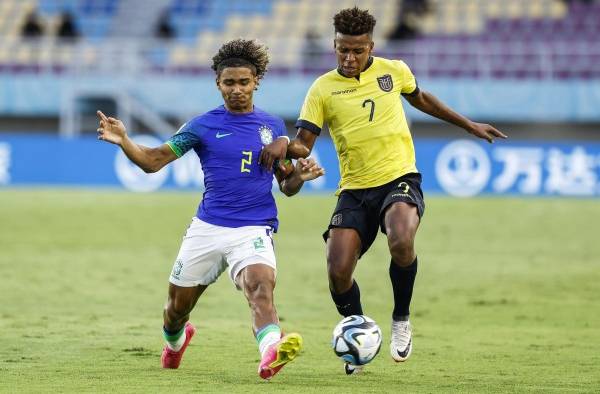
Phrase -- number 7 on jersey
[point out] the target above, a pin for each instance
(369, 101)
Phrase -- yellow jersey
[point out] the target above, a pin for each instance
(366, 121)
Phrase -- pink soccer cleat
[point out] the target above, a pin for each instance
(172, 359)
(279, 354)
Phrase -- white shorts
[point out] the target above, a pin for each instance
(208, 250)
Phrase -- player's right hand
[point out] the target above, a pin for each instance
(110, 129)
(276, 150)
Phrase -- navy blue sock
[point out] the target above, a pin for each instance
(403, 281)
(171, 333)
(348, 303)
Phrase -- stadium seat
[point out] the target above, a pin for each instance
(202, 25)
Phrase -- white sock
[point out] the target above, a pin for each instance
(176, 344)
(267, 336)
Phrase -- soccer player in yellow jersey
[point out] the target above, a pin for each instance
(380, 184)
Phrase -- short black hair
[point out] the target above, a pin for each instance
(354, 22)
(242, 53)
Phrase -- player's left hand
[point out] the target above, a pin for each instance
(485, 131)
(308, 169)
(276, 150)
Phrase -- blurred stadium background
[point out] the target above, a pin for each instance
(530, 67)
(506, 281)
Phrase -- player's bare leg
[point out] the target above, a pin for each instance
(177, 331)
(343, 251)
(401, 224)
(180, 302)
(258, 283)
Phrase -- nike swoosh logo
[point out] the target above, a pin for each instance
(219, 135)
(404, 353)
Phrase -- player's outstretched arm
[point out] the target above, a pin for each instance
(304, 170)
(299, 147)
(428, 103)
(148, 159)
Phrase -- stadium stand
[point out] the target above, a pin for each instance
(283, 25)
(455, 38)
(508, 38)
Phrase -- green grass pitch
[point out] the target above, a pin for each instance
(507, 298)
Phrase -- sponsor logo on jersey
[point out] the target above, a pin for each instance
(345, 91)
(266, 134)
(385, 83)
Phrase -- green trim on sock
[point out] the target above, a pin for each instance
(174, 337)
(266, 330)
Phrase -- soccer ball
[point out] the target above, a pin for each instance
(356, 339)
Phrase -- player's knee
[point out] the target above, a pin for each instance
(259, 291)
(402, 249)
(340, 277)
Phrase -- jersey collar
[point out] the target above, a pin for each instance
(369, 63)
(228, 112)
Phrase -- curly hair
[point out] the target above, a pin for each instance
(242, 53)
(354, 22)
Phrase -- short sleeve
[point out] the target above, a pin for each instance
(311, 115)
(183, 140)
(408, 81)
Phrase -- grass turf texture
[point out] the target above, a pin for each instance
(506, 298)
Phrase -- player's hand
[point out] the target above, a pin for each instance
(308, 169)
(276, 150)
(485, 131)
(110, 130)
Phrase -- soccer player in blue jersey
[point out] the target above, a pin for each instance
(235, 221)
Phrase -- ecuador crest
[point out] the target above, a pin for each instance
(385, 83)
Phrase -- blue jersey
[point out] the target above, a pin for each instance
(237, 190)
